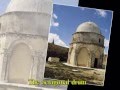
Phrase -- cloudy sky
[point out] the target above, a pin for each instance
(66, 19)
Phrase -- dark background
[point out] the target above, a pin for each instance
(112, 71)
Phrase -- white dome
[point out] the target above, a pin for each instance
(44, 6)
(88, 27)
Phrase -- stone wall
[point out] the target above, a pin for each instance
(53, 59)
(25, 23)
(88, 37)
(105, 61)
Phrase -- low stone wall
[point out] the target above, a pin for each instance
(53, 59)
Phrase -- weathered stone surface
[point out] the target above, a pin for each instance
(24, 29)
(105, 61)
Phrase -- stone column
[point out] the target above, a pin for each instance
(38, 66)
(33, 72)
(5, 64)
(41, 66)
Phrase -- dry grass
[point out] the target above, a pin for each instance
(64, 72)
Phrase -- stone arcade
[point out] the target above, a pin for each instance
(87, 47)
(24, 29)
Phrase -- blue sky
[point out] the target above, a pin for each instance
(66, 19)
(67, 2)
(3, 5)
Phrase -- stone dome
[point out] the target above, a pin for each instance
(88, 27)
(43, 6)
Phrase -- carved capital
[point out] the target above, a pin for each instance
(38, 54)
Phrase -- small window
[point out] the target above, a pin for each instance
(96, 63)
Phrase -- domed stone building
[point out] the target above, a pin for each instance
(24, 29)
(87, 47)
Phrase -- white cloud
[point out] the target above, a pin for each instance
(53, 22)
(57, 40)
(55, 16)
(106, 43)
(105, 51)
(102, 13)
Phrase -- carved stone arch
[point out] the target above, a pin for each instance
(83, 57)
(14, 43)
(79, 48)
(8, 55)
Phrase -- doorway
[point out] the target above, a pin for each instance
(96, 63)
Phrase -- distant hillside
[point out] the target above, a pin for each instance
(57, 51)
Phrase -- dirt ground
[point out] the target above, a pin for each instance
(64, 72)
